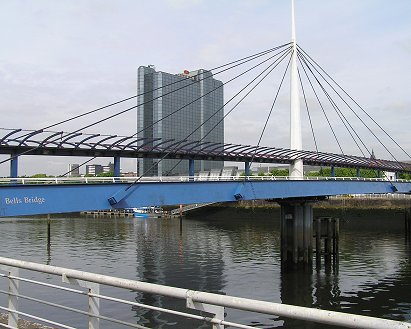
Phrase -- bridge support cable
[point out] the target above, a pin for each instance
(305, 63)
(322, 108)
(308, 111)
(270, 112)
(342, 117)
(123, 193)
(270, 68)
(318, 68)
(323, 111)
(238, 62)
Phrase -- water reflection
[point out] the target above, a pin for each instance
(234, 252)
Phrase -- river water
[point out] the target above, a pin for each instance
(230, 251)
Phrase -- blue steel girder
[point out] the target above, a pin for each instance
(32, 199)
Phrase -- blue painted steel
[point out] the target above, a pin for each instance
(116, 166)
(332, 171)
(18, 200)
(14, 166)
(191, 167)
(358, 172)
(247, 168)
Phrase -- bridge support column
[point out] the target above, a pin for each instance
(379, 173)
(358, 172)
(191, 169)
(247, 168)
(296, 232)
(332, 171)
(116, 167)
(14, 165)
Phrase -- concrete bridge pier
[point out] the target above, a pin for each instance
(296, 232)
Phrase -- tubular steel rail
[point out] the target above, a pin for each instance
(40, 142)
(165, 179)
(201, 301)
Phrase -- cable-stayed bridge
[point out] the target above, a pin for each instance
(19, 196)
(48, 141)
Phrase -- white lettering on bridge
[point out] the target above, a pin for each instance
(24, 200)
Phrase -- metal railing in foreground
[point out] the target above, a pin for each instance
(170, 179)
(206, 302)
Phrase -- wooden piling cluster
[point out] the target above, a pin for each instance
(326, 235)
(299, 232)
(296, 233)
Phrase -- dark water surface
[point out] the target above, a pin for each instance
(233, 252)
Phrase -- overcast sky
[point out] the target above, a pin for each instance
(62, 58)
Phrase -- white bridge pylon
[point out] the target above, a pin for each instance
(296, 168)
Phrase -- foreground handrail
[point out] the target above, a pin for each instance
(165, 179)
(194, 297)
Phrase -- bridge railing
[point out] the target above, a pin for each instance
(101, 180)
(88, 286)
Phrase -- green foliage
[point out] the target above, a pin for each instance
(404, 175)
(279, 172)
(344, 172)
(40, 176)
(106, 174)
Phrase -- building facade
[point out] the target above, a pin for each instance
(198, 102)
(96, 169)
(73, 170)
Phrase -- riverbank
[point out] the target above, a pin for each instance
(335, 207)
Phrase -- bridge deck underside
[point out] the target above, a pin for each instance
(18, 200)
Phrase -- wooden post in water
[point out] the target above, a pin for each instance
(296, 232)
(407, 222)
(328, 239)
(318, 240)
(336, 240)
(48, 232)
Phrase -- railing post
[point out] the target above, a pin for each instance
(93, 302)
(218, 311)
(13, 317)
